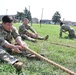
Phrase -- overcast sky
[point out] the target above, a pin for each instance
(65, 7)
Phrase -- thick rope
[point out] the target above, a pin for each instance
(62, 44)
(51, 62)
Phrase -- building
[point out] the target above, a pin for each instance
(70, 23)
(46, 21)
(35, 20)
(13, 16)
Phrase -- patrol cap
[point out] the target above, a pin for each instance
(6, 19)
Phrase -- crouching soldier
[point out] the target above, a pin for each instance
(7, 32)
(25, 34)
(65, 28)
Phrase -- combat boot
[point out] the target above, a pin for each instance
(18, 65)
(46, 37)
(43, 38)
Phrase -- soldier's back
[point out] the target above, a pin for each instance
(65, 27)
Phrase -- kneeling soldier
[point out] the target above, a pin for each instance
(65, 28)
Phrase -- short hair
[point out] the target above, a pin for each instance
(61, 23)
(6, 19)
(25, 19)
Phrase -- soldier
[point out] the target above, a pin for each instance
(32, 36)
(7, 32)
(64, 28)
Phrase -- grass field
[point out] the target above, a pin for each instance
(65, 56)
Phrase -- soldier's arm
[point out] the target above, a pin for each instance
(6, 44)
(20, 42)
(61, 32)
(23, 29)
(32, 29)
(3, 42)
(17, 37)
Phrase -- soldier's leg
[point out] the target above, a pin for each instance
(72, 35)
(29, 55)
(43, 38)
(61, 30)
(32, 35)
(4, 56)
(28, 38)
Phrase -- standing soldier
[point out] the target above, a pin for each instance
(7, 32)
(32, 36)
(65, 28)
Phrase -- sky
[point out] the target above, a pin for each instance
(66, 8)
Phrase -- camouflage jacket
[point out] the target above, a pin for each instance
(6, 37)
(24, 28)
(65, 28)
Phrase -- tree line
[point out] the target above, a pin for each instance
(27, 14)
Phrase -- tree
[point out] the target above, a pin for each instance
(27, 14)
(19, 15)
(56, 17)
(22, 15)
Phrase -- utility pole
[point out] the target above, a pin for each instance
(41, 16)
(6, 11)
(31, 16)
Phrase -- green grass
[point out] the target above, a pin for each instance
(65, 56)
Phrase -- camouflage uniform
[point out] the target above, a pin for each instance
(5, 38)
(23, 29)
(65, 28)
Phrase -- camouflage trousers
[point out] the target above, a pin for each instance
(72, 35)
(24, 36)
(6, 57)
